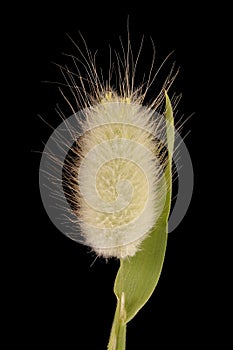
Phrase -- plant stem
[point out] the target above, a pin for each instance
(117, 340)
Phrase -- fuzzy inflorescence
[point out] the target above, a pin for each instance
(113, 181)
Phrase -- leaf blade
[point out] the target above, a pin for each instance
(138, 276)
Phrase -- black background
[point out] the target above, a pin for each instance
(65, 299)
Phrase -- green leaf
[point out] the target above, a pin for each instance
(138, 276)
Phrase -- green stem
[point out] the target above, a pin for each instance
(117, 338)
